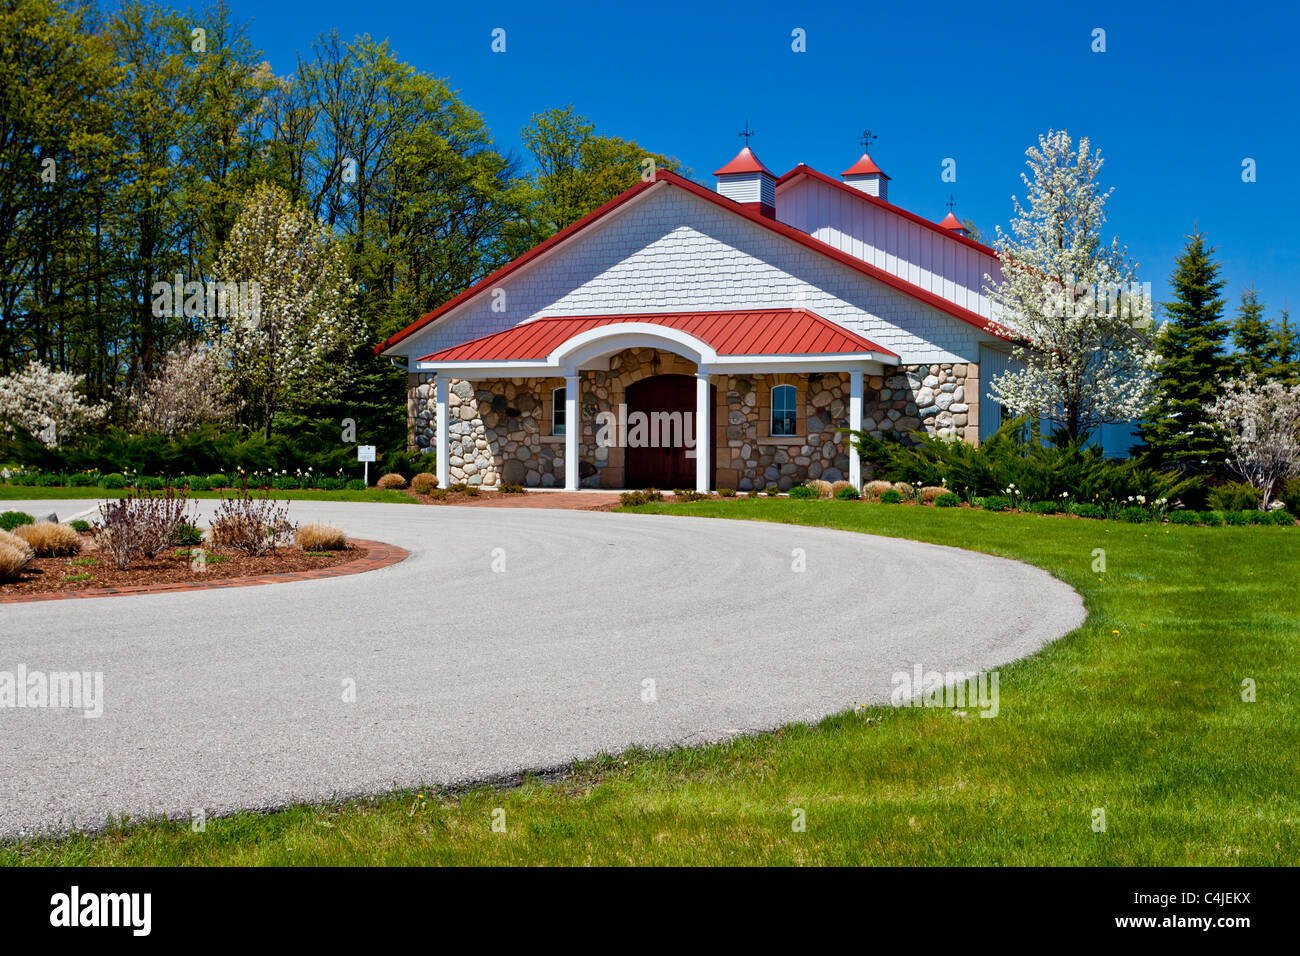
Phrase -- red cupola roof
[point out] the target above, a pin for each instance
(745, 162)
(865, 166)
(952, 222)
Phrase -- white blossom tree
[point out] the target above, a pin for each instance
(300, 312)
(1261, 423)
(1085, 349)
(47, 403)
(190, 386)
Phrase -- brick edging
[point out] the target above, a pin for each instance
(379, 555)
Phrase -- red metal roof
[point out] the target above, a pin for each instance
(744, 162)
(664, 176)
(952, 222)
(865, 166)
(747, 332)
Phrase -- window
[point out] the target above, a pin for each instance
(783, 399)
(557, 411)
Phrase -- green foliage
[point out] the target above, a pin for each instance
(79, 525)
(1251, 335)
(726, 492)
(1040, 472)
(356, 484)
(218, 480)
(1176, 432)
(947, 500)
(82, 479)
(803, 491)
(1290, 495)
(150, 483)
(12, 519)
(890, 497)
(113, 481)
(1045, 507)
(1086, 509)
(1282, 516)
(996, 503)
(1211, 519)
(632, 499)
(1134, 514)
(1235, 517)
(1184, 517)
(848, 494)
(1234, 496)
(186, 535)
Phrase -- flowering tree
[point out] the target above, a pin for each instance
(300, 312)
(1085, 347)
(190, 387)
(46, 403)
(1261, 423)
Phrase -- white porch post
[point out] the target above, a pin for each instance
(703, 432)
(442, 438)
(855, 423)
(572, 427)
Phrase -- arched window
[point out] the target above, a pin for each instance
(783, 410)
(557, 410)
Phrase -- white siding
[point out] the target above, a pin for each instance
(672, 251)
(935, 262)
(993, 363)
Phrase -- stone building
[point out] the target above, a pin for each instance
(771, 315)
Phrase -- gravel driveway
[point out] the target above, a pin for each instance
(510, 639)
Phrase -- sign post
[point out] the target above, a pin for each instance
(366, 453)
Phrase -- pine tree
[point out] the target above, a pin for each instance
(1284, 352)
(1175, 433)
(1251, 335)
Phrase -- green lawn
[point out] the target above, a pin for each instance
(20, 493)
(1140, 713)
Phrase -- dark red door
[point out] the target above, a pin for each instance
(665, 465)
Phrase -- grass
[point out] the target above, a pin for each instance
(1139, 712)
(383, 496)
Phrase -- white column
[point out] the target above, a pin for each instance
(442, 438)
(703, 432)
(572, 427)
(855, 423)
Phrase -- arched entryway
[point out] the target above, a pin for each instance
(656, 453)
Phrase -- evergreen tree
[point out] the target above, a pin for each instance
(1175, 433)
(1283, 352)
(1251, 335)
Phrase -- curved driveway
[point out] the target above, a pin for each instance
(510, 639)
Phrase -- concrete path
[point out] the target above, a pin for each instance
(510, 639)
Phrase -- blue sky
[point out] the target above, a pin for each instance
(1183, 93)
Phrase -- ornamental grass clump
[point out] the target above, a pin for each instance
(391, 480)
(15, 555)
(50, 540)
(424, 482)
(874, 489)
(823, 489)
(317, 536)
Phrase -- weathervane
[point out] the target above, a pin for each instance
(867, 137)
(747, 132)
(951, 202)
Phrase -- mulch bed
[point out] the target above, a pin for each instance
(172, 567)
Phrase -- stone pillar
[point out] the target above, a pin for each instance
(443, 455)
(703, 432)
(572, 429)
(855, 424)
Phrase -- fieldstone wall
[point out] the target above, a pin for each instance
(499, 430)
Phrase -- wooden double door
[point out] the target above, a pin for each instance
(667, 465)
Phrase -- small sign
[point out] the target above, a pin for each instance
(365, 453)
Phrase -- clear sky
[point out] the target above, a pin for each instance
(1182, 95)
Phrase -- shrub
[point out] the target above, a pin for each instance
(332, 484)
(632, 499)
(50, 540)
(218, 480)
(1289, 495)
(1184, 517)
(1283, 517)
(320, 537)
(1134, 514)
(197, 483)
(1240, 518)
(848, 493)
(1211, 519)
(804, 491)
(890, 497)
(874, 489)
(1258, 517)
(438, 494)
(819, 487)
(423, 482)
(904, 489)
(15, 554)
(690, 495)
(1234, 496)
(391, 480)
(1085, 510)
(356, 484)
(947, 500)
(187, 535)
(510, 488)
(81, 479)
(253, 526)
(458, 488)
(12, 519)
(48, 480)
(113, 481)
(996, 503)
(931, 493)
(838, 486)
(133, 527)
(149, 483)
(772, 491)
(286, 482)
(79, 526)
(1045, 507)
(726, 492)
